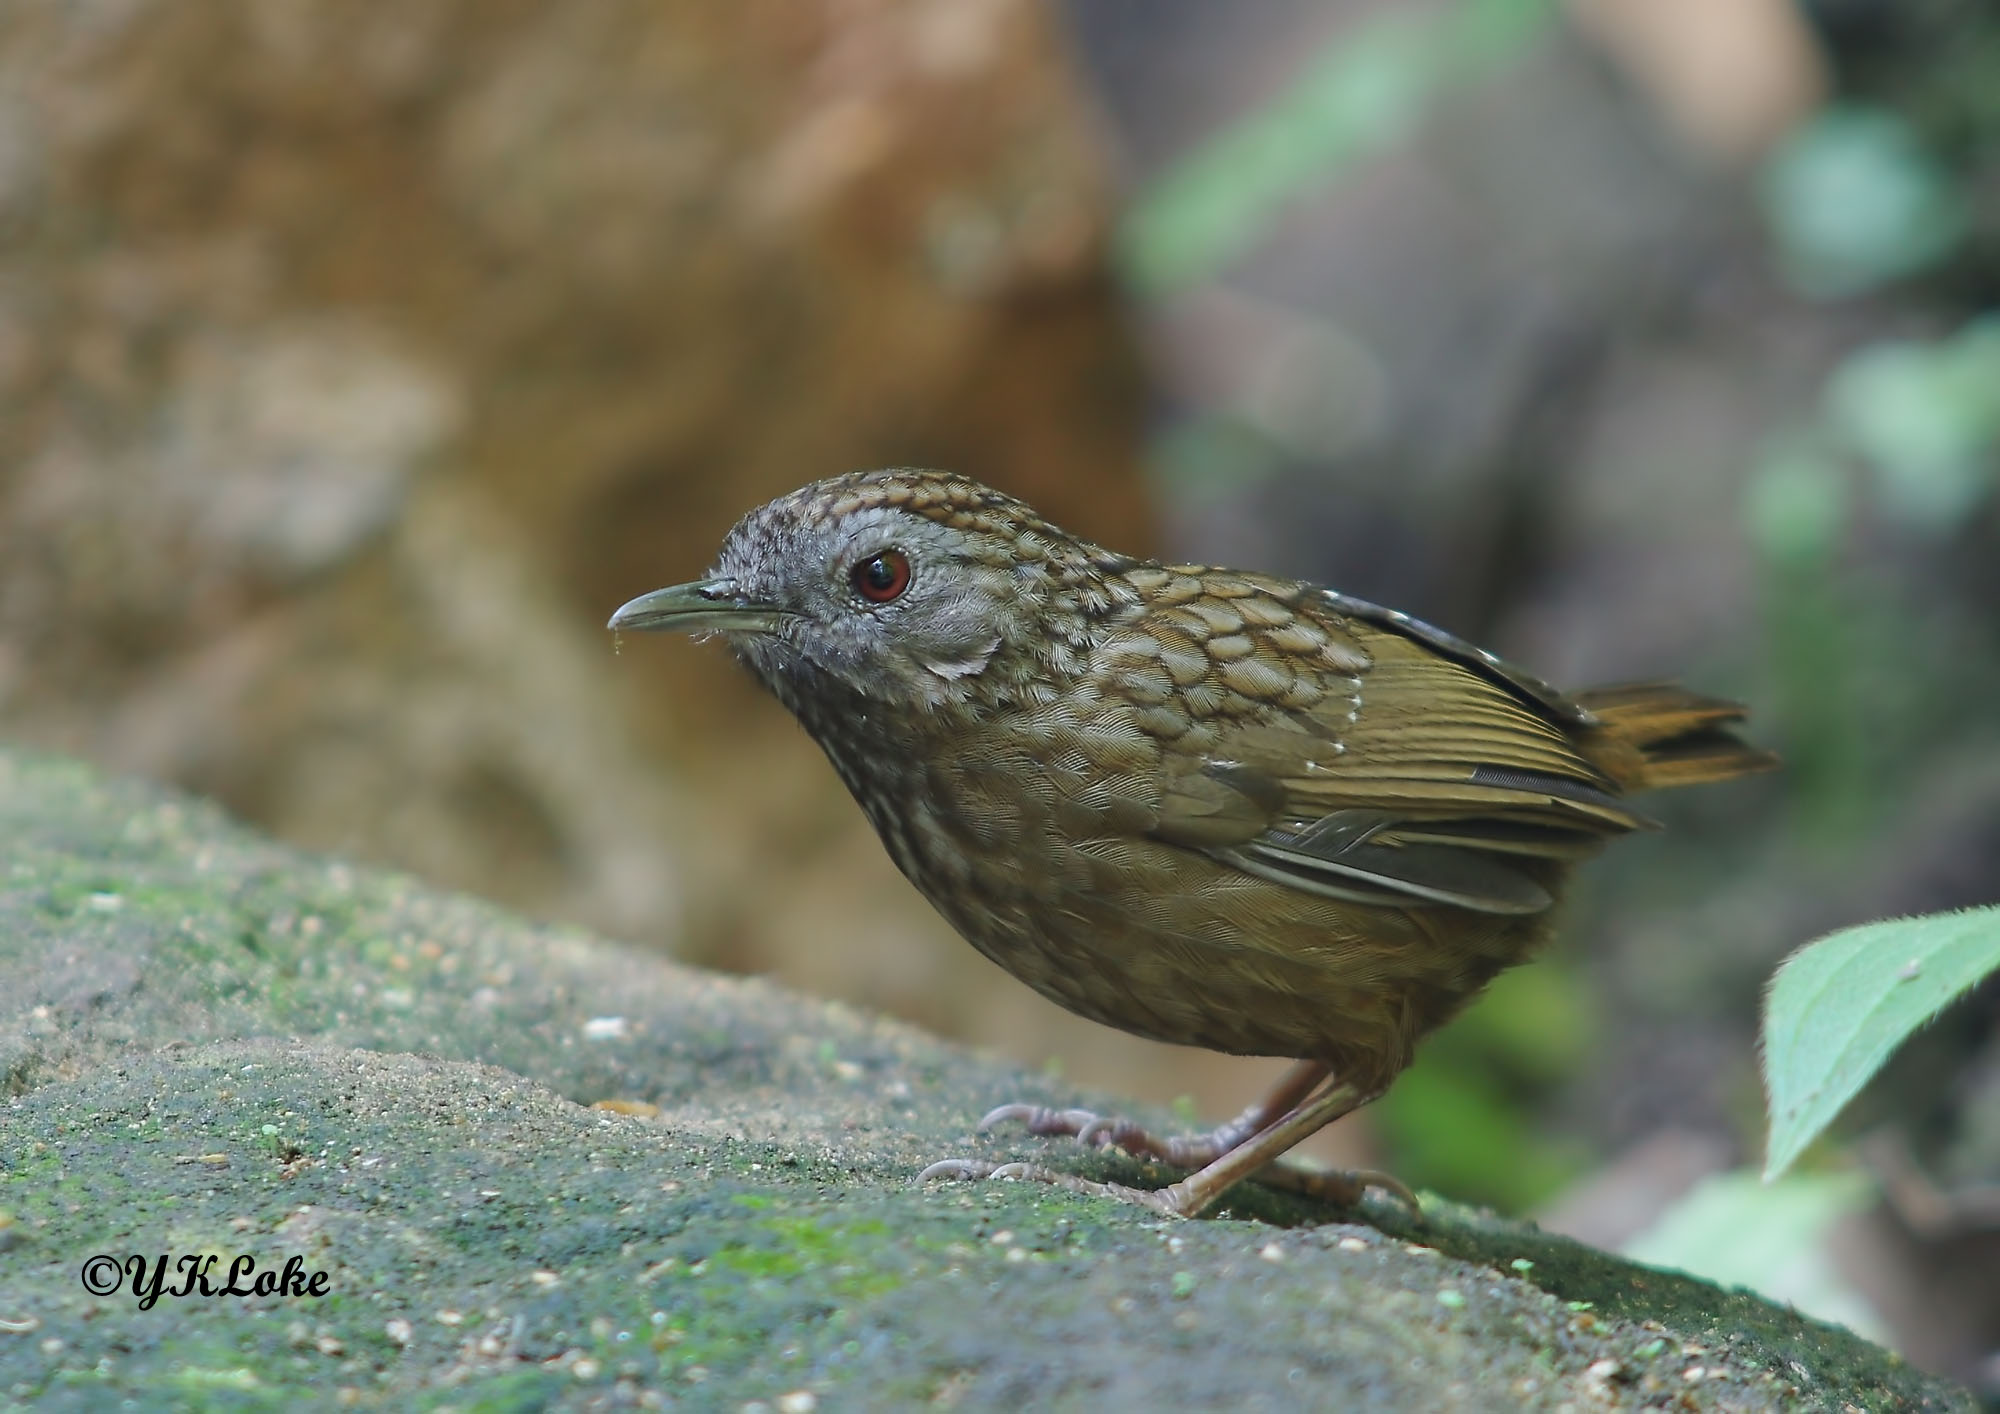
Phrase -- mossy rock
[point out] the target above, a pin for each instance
(538, 1168)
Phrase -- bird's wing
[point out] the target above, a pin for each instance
(1425, 773)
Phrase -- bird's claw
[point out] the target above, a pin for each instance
(1365, 1179)
(1103, 1131)
(1342, 1187)
(965, 1170)
(1039, 1119)
(1098, 1131)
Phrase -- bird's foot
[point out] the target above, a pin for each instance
(1342, 1187)
(1304, 1101)
(1189, 1151)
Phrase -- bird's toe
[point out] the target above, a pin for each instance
(961, 1170)
(1040, 1119)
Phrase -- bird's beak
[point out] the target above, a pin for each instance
(705, 606)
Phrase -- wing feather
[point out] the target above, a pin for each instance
(1442, 778)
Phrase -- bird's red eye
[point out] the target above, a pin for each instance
(883, 577)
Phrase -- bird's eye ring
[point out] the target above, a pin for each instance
(882, 577)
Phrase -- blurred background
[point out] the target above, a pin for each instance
(355, 361)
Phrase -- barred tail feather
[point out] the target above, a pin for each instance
(1659, 735)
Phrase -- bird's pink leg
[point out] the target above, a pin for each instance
(1255, 1156)
(1190, 1151)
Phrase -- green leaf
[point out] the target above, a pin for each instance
(1838, 1007)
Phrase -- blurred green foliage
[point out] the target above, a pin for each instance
(1797, 510)
(1459, 1119)
(1738, 1231)
(1361, 95)
(1908, 440)
(1925, 419)
(1855, 199)
(1198, 458)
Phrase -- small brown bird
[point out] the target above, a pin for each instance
(1205, 806)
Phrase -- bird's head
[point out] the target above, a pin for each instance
(913, 587)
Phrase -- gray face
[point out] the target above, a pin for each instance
(915, 588)
(844, 613)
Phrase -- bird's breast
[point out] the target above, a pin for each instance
(1033, 833)
(1016, 808)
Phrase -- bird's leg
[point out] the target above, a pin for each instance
(1254, 1157)
(1189, 1151)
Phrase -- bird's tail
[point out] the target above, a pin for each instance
(1657, 735)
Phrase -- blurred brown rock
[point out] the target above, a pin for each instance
(355, 361)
